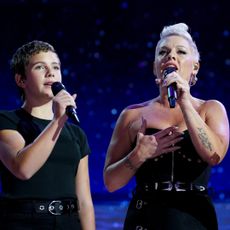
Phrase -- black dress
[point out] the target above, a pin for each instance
(171, 192)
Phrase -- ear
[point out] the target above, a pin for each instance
(196, 68)
(20, 81)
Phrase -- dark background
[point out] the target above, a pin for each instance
(107, 49)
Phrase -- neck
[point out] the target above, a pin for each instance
(163, 100)
(43, 111)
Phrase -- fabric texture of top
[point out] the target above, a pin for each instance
(184, 165)
(172, 209)
(56, 178)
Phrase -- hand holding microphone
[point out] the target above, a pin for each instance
(70, 110)
(171, 89)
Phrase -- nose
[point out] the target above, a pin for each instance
(171, 55)
(49, 72)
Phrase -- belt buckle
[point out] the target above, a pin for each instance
(202, 188)
(199, 188)
(52, 208)
(169, 186)
(178, 187)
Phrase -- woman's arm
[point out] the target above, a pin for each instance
(122, 161)
(120, 168)
(210, 136)
(207, 123)
(83, 193)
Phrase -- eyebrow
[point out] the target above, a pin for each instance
(179, 46)
(42, 62)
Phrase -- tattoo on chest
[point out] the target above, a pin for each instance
(204, 139)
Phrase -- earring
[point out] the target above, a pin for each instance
(157, 81)
(193, 80)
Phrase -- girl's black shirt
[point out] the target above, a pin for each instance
(56, 178)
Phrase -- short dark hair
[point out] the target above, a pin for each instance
(23, 54)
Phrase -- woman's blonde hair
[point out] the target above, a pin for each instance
(179, 29)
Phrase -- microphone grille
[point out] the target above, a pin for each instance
(169, 70)
(57, 87)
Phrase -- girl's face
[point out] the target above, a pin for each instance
(42, 70)
(175, 51)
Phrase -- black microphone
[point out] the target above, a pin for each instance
(172, 93)
(70, 110)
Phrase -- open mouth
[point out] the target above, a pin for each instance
(48, 83)
(169, 67)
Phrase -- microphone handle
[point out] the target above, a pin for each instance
(172, 95)
(71, 112)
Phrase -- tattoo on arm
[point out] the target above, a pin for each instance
(129, 164)
(204, 139)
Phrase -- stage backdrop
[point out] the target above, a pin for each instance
(107, 50)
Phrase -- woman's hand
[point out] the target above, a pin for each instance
(151, 146)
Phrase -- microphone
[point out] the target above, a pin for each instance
(70, 110)
(172, 94)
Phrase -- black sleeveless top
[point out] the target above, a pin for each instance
(56, 178)
(183, 165)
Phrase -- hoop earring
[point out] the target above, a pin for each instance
(193, 80)
(157, 81)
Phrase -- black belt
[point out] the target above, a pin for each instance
(53, 207)
(170, 186)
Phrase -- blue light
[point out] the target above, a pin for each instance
(226, 33)
(97, 42)
(124, 5)
(96, 55)
(222, 196)
(227, 62)
(220, 169)
(114, 111)
(98, 136)
(149, 44)
(101, 33)
(65, 72)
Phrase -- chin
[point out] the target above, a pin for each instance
(48, 96)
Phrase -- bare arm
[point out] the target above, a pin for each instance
(120, 145)
(24, 161)
(210, 136)
(84, 196)
(122, 162)
(209, 133)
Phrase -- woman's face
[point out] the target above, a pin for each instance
(175, 51)
(43, 69)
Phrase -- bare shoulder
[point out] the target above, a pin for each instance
(128, 117)
(212, 106)
(214, 114)
(139, 105)
(133, 112)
